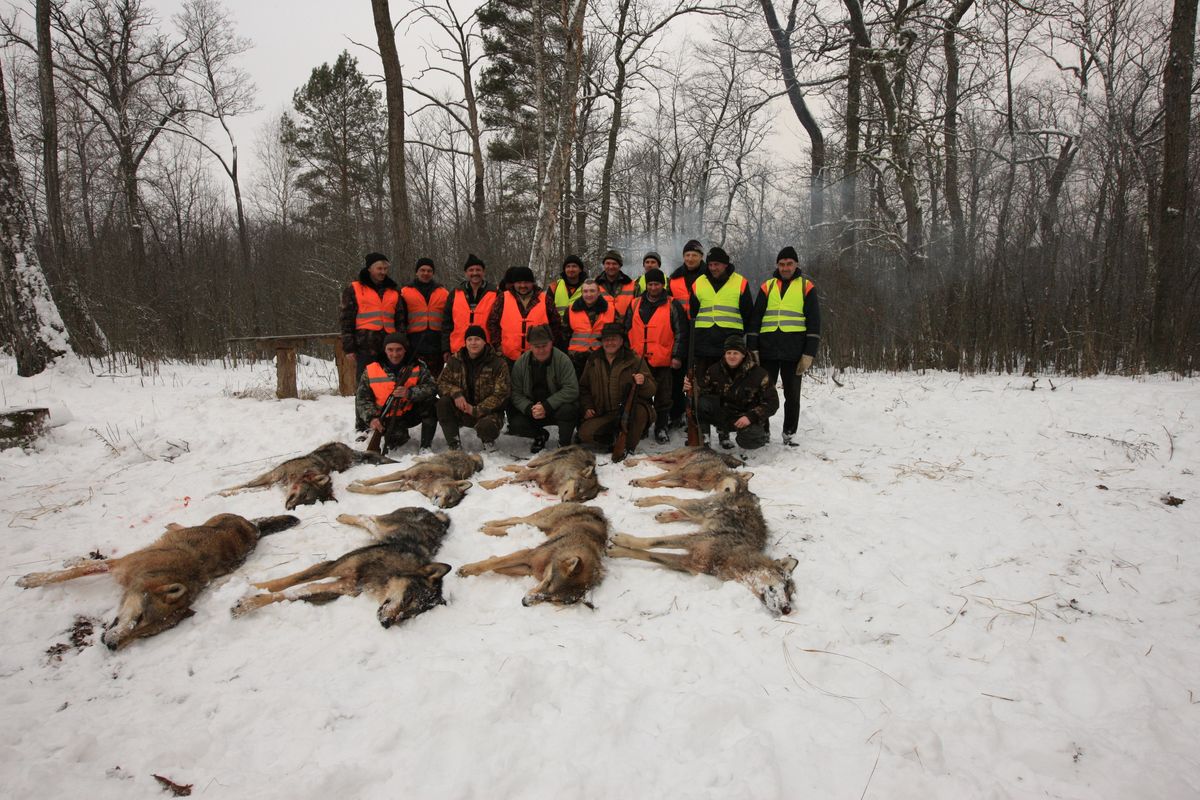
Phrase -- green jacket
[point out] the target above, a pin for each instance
(564, 386)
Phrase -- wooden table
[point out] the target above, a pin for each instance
(285, 348)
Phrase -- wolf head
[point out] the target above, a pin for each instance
(150, 605)
(736, 483)
(565, 580)
(308, 489)
(450, 493)
(772, 584)
(582, 487)
(407, 596)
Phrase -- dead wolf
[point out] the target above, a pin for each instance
(728, 545)
(568, 473)
(441, 478)
(399, 571)
(568, 565)
(696, 468)
(685, 455)
(162, 579)
(307, 477)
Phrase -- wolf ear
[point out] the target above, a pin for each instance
(435, 570)
(589, 471)
(573, 565)
(747, 477)
(788, 563)
(172, 591)
(464, 485)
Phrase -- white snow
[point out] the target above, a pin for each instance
(975, 616)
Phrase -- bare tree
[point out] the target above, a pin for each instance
(393, 80)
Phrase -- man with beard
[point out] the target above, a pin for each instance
(737, 396)
(425, 301)
(468, 304)
(657, 327)
(520, 307)
(610, 374)
(474, 390)
(404, 377)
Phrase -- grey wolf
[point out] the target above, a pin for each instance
(568, 473)
(162, 579)
(399, 571)
(697, 468)
(568, 565)
(441, 478)
(307, 476)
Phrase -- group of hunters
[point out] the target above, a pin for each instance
(582, 353)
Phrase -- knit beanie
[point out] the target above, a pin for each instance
(573, 259)
(718, 255)
(615, 256)
(396, 337)
(694, 246)
(738, 343)
(475, 330)
(371, 258)
(424, 262)
(655, 276)
(787, 252)
(653, 255)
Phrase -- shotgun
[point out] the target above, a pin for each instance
(618, 451)
(693, 426)
(373, 446)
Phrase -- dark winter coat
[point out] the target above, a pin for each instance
(746, 390)
(781, 346)
(483, 381)
(354, 340)
(710, 342)
(679, 321)
(603, 386)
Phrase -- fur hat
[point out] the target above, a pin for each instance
(424, 262)
(475, 330)
(519, 274)
(652, 254)
(787, 252)
(694, 246)
(614, 255)
(473, 261)
(539, 334)
(612, 329)
(717, 255)
(655, 276)
(736, 342)
(396, 337)
(371, 258)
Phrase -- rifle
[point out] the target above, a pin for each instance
(376, 436)
(387, 420)
(618, 451)
(693, 426)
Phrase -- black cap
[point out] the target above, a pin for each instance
(475, 330)
(473, 261)
(655, 276)
(424, 262)
(519, 274)
(718, 255)
(371, 258)
(573, 259)
(694, 245)
(612, 329)
(738, 343)
(539, 334)
(396, 337)
(787, 252)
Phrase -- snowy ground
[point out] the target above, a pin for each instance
(993, 600)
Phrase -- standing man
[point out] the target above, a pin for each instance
(789, 332)
(682, 280)
(468, 304)
(520, 307)
(425, 300)
(545, 391)
(370, 310)
(650, 261)
(721, 306)
(604, 387)
(587, 317)
(615, 284)
(566, 289)
(474, 390)
(657, 326)
(403, 376)
(738, 397)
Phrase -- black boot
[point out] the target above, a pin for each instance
(539, 441)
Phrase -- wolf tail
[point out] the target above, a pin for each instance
(269, 525)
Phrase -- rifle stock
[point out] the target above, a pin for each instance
(693, 425)
(622, 437)
(379, 437)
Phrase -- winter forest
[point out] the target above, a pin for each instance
(974, 185)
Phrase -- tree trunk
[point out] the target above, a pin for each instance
(27, 309)
(850, 158)
(394, 92)
(614, 127)
(958, 240)
(49, 107)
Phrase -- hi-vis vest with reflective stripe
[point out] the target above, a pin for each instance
(653, 340)
(514, 327)
(622, 299)
(719, 308)
(382, 385)
(683, 293)
(464, 316)
(785, 313)
(422, 315)
(564, 297)
(375, 313)
(585, 334)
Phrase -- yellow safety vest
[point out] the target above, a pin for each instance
(785, 313)
(563, 297)
(719, 308)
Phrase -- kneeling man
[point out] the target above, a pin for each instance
(474, 389)
(406, 381)
(737, 396)
(609, 376)
(545, 392)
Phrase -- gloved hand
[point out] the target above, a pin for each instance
(805, 363)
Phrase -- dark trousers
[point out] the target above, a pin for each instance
(361, 359)
(678, 402)
(712, 412)
(602, 429)
(452, 420)
(664, 396)
(566, 417)
(424, 415)
(791, 390)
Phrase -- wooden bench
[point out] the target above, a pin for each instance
(285, 348)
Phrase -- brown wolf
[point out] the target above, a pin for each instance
(162, 579)
(399, 571)
(696, 468)
(307, 476)
(568, 473)
(728, 545)
(441, 478)
(568, 565)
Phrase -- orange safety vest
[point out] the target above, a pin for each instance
(681, 292)
(653, 340)
(514, 325)
(585, 334)
(422, 315)
(622, 299)
(382, 385)
(464, 316)
(375, 312)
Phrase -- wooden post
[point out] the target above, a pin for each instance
(345, 370)
(19, 427)
(285, 370)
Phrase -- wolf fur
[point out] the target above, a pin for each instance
(568, 473)
(162, 579)
(399, 571)
(568, 565)
(728, 545)
(307, 476)
(685, 455)
(441, 478)
(696, 468)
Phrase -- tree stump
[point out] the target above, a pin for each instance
(21, 426)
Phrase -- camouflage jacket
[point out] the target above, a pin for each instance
(365, 407)
(746, 390)
(483, 381)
